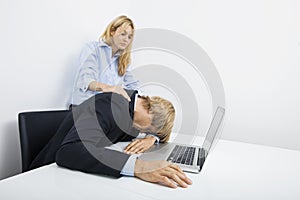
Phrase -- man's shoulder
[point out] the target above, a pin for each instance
(115, 96)
(131, 92)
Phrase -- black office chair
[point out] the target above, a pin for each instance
(36, 129)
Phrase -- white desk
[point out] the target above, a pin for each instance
(232, 171)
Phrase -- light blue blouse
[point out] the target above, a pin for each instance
(96, 63)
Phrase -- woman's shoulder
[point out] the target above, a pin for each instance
(96, 44)
(91, 44)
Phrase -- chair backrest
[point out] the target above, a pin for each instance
(36, 129)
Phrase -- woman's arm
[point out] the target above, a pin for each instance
(88, 67)
(129, 81)
(98, 87)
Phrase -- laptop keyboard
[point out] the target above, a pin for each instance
(182, 155)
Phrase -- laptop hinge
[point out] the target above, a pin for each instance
(201, 158)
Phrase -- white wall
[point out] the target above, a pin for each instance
(254, 44)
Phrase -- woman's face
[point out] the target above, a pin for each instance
(122, 37)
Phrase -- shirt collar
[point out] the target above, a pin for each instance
(102, 43)
(135, 101)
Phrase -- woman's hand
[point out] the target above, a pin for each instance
(101, 87)
(140, 145)
(118, 90)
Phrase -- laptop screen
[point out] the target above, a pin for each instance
(213, 129)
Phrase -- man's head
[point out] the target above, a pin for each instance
(156, 115)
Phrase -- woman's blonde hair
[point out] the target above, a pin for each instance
(125, 55)
(163, 115)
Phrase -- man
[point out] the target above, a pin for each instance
(81, 141)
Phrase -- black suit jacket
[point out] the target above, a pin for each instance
(81, 139)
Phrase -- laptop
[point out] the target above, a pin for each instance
(189, 158)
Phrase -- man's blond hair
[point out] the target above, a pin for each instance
(163, 115)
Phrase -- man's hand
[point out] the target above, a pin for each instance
(161, 172)
(140, 145)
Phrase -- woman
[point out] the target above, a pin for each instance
(104, 64)
(104, 67)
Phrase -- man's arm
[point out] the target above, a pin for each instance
(128, 169)
(84, 147)
(90, 159)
